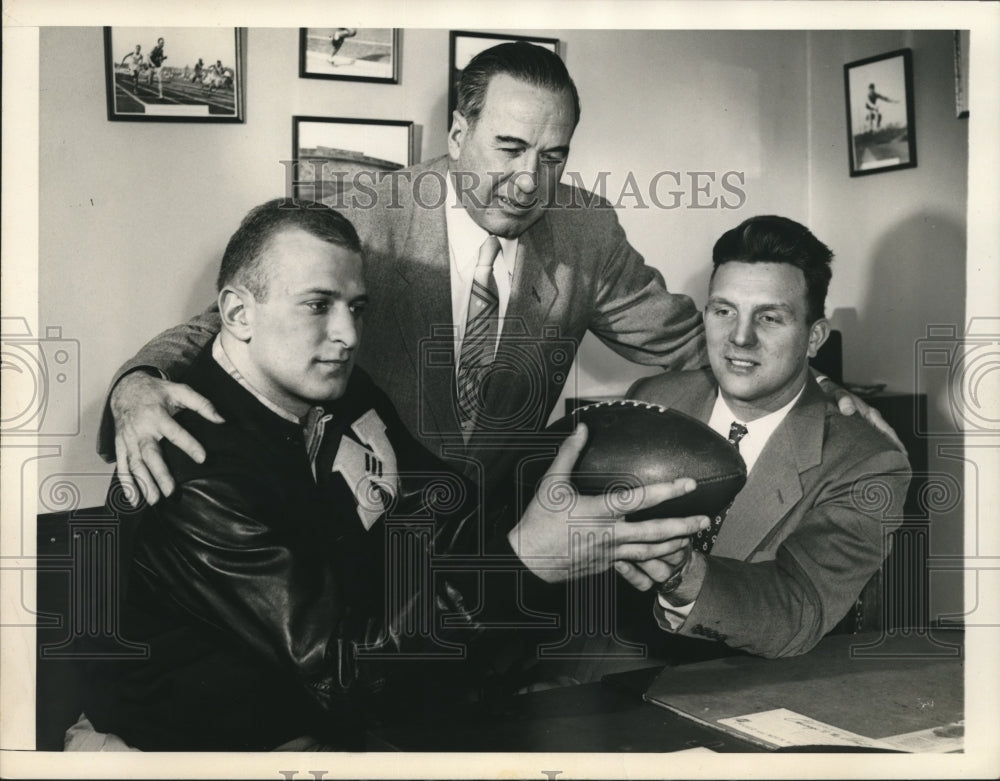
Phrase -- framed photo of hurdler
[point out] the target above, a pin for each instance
(334, 154)
(464, 46)
(880, 131)
(175, 74)
(349, 53)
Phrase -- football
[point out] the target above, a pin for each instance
(634, 443)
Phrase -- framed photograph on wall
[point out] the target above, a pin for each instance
(332, 154)
(465, 45)
(349, 53)
(175, 74)
(880, 131)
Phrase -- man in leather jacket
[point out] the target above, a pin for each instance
(293, 586)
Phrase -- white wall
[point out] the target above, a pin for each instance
(688, 101)
(135, 215)
(900, 240)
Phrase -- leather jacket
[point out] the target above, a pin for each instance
(254, 579)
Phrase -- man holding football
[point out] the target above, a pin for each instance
(785, 563)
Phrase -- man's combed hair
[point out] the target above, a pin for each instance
(519, 60)
(773, 239)
(241, 263)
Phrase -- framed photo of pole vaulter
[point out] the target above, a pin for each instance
(465, 45)
(333, 154)
(349, 53)
(880, 131)
(175, 74)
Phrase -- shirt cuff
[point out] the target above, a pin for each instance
(673, 617)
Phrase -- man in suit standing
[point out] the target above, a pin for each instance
(559, 267)
(808, 530)
(483, 241)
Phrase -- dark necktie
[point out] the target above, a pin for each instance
(482, 324)
(704, 540)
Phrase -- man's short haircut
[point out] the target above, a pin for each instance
(773, 239)
(242, 262)
(519, 60)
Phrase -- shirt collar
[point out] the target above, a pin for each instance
(222, 358)
(763, 426)
(465, 238)
(759, 431)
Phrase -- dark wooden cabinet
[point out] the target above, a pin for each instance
(906, 582)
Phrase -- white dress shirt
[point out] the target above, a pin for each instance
(465, 238)
(758, 433)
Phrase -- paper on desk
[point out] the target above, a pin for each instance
(782, 727)
(941, 740)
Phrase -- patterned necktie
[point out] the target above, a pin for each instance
(482, 324)
(704, 540)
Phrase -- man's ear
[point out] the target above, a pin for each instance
(236, 310)
(819, 332)
(456, 136)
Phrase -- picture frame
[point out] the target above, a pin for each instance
(350, 54)
(175, 74)
(333, 154)
(463, 46)
(881, 135)
(962, 40)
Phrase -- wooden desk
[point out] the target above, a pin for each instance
(594, 717)
(877, 693)
(870, 684)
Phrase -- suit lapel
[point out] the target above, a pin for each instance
(533, 289)
(774, 486)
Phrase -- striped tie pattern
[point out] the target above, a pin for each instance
(482, 325)
(704, 540)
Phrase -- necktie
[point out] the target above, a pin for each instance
(704, 540)
(482, 324)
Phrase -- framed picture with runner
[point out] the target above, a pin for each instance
(175, 74)
(349, 53)
(879, 96)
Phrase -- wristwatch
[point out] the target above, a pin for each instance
(671, 584)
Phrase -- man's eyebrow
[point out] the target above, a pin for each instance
(325, 291)
(514, 140)
(510, 140)
(757, 308)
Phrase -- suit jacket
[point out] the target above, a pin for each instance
(575, 271)
(805, 534)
